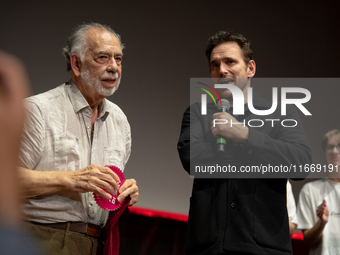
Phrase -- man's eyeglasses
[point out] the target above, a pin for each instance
(330, 147)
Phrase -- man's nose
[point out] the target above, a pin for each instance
(223, 69)
(112, 66)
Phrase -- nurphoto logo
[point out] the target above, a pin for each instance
(238, 104)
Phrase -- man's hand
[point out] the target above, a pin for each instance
(235, 131)
(94, 179)
(322, 212)
(129, 188)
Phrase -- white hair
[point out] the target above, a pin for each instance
(76, 43)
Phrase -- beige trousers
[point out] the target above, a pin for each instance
(63, 242)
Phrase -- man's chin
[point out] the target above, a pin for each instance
(225, 93)
(108, 91)
(104, 91)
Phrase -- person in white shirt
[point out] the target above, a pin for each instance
(319, 203)
(71, 133)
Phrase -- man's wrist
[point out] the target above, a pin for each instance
(322, 222)
(244, 135)
(65, 180)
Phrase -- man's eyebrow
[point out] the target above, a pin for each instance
(213, 61)
(120, 54)
(103, 53)
(229, 58)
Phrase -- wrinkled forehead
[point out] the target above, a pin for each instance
(98, 38)
(227, 49)
(224, 47)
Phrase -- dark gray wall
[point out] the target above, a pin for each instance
(165, 43)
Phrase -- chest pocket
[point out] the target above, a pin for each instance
(66, 153)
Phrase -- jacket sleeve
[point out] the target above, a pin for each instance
(268, 145)
(279, 145)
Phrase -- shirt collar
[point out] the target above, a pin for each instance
(79, 102)
(104, 112)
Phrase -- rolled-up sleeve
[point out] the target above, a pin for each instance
(33, 136)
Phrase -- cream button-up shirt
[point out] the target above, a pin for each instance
(57, 137)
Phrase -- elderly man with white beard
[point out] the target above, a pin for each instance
(71, 133)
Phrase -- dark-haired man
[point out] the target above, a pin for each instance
(238, 216)
(71, 133)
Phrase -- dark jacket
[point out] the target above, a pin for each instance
(240, 215)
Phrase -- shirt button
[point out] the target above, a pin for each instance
(250, 151)
(91, 203)
(233, 205)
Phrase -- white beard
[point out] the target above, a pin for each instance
(96, 83)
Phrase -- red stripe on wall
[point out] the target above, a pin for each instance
(179, 217)
(158, 214)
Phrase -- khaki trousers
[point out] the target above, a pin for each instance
(64, 242)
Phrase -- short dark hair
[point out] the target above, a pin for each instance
(227, 36)
(328, 135)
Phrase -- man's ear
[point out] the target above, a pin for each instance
(251, 69)
(75, 64)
